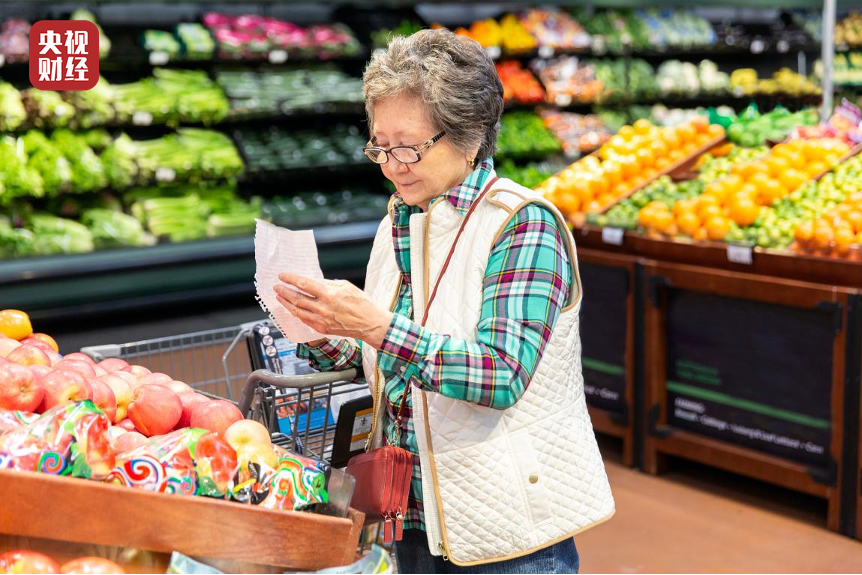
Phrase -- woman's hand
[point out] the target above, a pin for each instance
(334, 307)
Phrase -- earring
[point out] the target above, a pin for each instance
(472, 162)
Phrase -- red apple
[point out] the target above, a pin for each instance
(113, 364)
(47, 339)
(28, 355)
(139, 371)
(82, 367)
(122, 393)
(155, 409)
(129, 441)
(55, 359)
(19, 388)
(127, 425)
(189, 401)
(36, 342)
(40, 371)
(178, 387)
(215, 415)
(80, 357)
(63, 386)
(23, 561)
(7, 344)
(100, 371)
(103, 397)
(91, 565)
(155, 378)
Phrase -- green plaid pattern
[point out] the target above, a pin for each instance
(526, 285)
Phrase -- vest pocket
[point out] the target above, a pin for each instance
(530, 477)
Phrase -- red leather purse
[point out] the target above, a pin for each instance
(383, 475)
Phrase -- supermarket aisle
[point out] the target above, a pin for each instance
(677, 524)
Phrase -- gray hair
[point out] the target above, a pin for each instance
(454, 78)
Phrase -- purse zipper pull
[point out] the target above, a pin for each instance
(399, 525)
(388, 529)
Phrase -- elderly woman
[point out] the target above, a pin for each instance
(506, 467)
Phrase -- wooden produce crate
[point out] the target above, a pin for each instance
(65, 510)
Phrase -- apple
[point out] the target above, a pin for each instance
(100, 371)
(104, 398)
(155, 409)
(40, 371)
(189, 401)
(47, 339)
(20, 389)
(177, 387)
(114, 432)
(7, 344)
(63, 386)
(36, 342)
(122, 393)
(127, 425)
(82, 367)
(129, 441)
(55, 359)
(23, 561)
(257, 453)
(247, 432)
(215, 415)
(91, 565)
(139, 371)
(155, 378)
(113, 364)
(80, 357)
(28, 355)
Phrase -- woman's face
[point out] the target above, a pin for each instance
(402, 121)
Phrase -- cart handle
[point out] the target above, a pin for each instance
(291, 381)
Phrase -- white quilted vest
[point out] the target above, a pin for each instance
(497, 484)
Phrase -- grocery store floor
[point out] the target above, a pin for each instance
(698, 520)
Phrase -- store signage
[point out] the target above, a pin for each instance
(740, 254)
(613, 236)
(752, 374)
(159, 58)
(278, 57)
(64, 55)
(604, 334)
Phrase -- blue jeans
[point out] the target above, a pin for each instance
(413, 557)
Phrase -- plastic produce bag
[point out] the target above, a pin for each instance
(15, 419)
(69, 439)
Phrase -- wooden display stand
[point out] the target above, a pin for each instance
(70, 515)
(741, 400)
(608, 330)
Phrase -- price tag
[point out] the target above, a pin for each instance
(740, 254)
(165, 175)
(598, 44)
(2, 60)
(563, 100)
(546, 52)
(757, 46)
(613, 236)
(494, 52)
(142, 119)
(278, 57)
(783, 46)
(159, 58)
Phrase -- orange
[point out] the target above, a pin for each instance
(621, 189)
(568, 202)
(646, 157)
(759, 180)
(708, 211)
(688, 222)
(700, 234)
(715, 131)
(629, 166)
(823, 236)
(626, 132)
(589, 163)
(717, 227)
(776, 165)
(593, 207)
(792, 179)
(645, 217)
(700, 124)
(582, 191)
(690, 148)
(662, 162)
(705, 200)
(781, 151)
(684, 206)
(843, 238)
(771, 191)
(656, 205)
(607, 199)
(814, 169)
(597, 184)
(814, 150)
(702, 140)
(642, 126)
(715, 189)
(859, 238)
(15, 324)
(670, 137)
(659, 148)
(664, 222)
(686, 133)
(732, 183)
(677, 155)
(744, 211)
(613, 172)
(854, 218)
(749, 191)
(804, 231)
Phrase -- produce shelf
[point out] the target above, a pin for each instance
(76, 285)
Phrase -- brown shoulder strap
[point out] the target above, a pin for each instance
(469, 213)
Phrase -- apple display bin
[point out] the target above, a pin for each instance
(755, 375)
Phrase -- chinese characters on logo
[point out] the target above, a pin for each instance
(64, 55)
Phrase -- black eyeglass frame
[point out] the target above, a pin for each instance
(418, 149)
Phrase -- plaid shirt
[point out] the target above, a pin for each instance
(526, 285)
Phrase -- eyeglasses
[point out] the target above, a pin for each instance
(404, 154)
